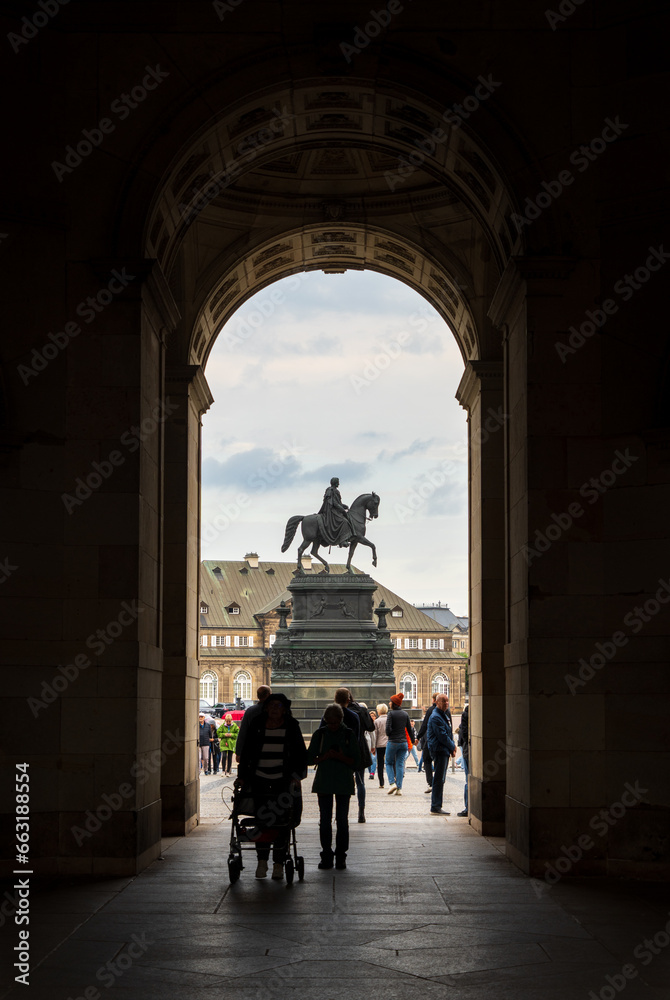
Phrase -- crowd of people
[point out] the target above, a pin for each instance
(351, 740)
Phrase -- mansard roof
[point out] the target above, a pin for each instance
(259, 591)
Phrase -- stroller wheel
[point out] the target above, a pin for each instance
(234, 869)
(300, 867)
(289, 870)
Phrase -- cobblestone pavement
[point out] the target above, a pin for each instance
(216, 791)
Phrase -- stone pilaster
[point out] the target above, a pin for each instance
(187, 389)
(480, 393)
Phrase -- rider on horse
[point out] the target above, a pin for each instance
(337, 526)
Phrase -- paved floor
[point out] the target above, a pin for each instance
(425, 909)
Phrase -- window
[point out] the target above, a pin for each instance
(440, 684)
(408, 688)
(413, 643)
(209, 686)
(233, 610)
(434, 643)
(220, 640)
(396, 612)
(398, 644)
(272, 639)
(204, 609)
(203, 640)
(242, 685)
(243, 640)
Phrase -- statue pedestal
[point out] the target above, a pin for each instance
(332, 641)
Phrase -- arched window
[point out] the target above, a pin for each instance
(242, 685)
(440, 684)
(408, 688)
(209, 687)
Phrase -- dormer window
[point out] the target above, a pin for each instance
(233, 610)
(204, 609)
(396, 612)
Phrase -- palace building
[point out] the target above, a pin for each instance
(239, 620)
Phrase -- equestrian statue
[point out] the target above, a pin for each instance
(335, 524)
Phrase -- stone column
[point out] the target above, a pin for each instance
(480, 393)
(190, 397)
(547, 419)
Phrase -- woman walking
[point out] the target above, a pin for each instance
(227, 732)
(335, 751)
(381, 739)
(398, 727)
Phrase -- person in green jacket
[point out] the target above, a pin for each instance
(227, 732)
(335, 751)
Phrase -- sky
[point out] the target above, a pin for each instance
(351, 375)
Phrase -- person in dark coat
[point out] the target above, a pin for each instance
(272, 764)
(427, 759)
(463, 736)
(366, 726)
(442, 747)
(335, 750)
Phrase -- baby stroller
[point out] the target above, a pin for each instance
(247, 831)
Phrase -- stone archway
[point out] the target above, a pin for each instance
(314, 178)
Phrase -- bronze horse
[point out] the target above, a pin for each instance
(312, 530)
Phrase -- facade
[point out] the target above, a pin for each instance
(507, 168)
(459, 626)
(239, 620)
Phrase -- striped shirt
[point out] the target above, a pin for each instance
(270, 762)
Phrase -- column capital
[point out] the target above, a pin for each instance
(190, 380)
(546, 274)
(478, 375)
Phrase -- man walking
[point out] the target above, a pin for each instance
(442, 747)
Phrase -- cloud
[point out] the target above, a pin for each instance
(347, 471)
(255, 468)
(416, 448)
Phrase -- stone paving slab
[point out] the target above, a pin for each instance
(424, 906)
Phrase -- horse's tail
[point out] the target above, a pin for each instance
(291, 528)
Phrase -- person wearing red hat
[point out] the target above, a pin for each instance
(398, 723)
